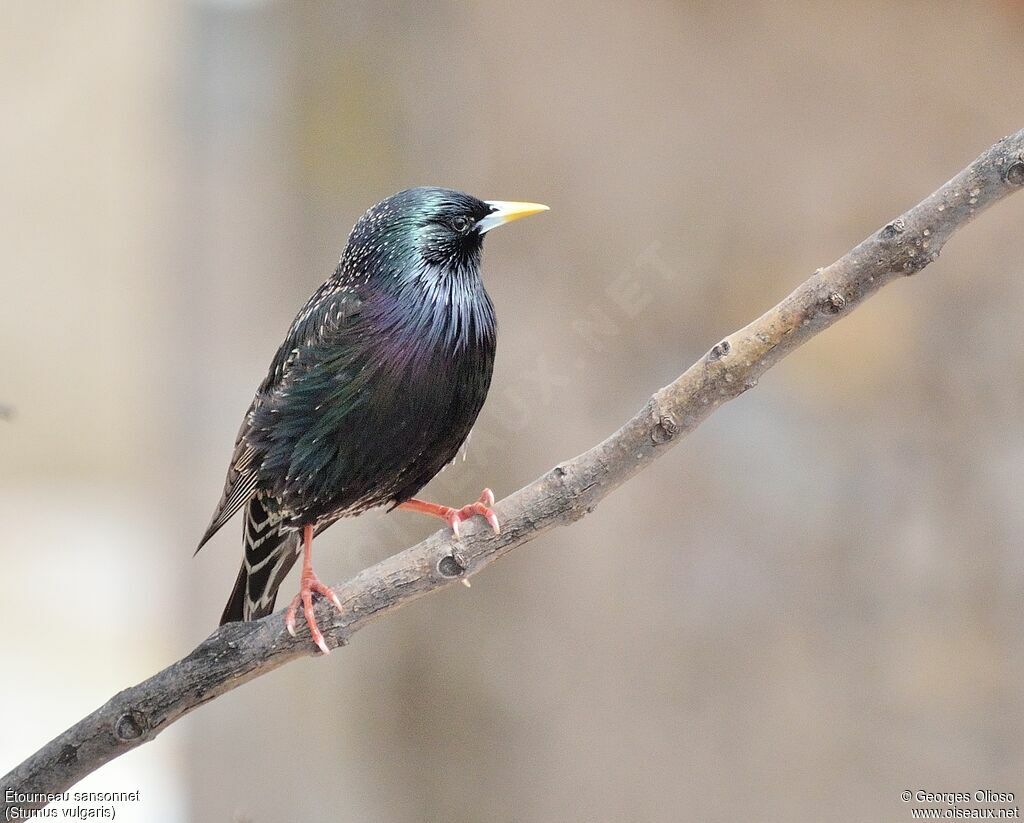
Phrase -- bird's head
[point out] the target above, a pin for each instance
(427, 230)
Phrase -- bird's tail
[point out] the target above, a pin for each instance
(271, 550)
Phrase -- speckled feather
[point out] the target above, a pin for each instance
(373, 391)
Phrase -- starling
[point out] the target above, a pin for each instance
(372, 393)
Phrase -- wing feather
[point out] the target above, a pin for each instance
(326, 311)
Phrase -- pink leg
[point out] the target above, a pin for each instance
(310, 583)
(453, 517)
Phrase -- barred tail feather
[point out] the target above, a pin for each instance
(270, 552)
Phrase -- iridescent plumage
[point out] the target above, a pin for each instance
(375, 388)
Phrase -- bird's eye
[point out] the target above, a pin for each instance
(461, 224)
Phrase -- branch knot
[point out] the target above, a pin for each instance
(719, 350)
(897, 226)
(664, 430)
(452, 564)
(130, 725)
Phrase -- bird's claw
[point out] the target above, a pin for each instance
(310, 584)
(453, 517)
(481, 507)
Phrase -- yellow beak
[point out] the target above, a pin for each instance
(505, 211)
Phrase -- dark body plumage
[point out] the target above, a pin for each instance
(373, 391)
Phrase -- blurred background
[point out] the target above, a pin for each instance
(811, 604)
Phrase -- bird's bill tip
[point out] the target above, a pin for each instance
(505, 211)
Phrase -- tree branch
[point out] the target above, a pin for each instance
(238, 652)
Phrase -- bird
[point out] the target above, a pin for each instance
(374, 390)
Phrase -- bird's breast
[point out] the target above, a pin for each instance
(385, 416)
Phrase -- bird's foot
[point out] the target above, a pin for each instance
(482, 507)
(310, 583)
(453, 517)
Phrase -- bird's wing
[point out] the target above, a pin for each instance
(240, 484)
(331, 307)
